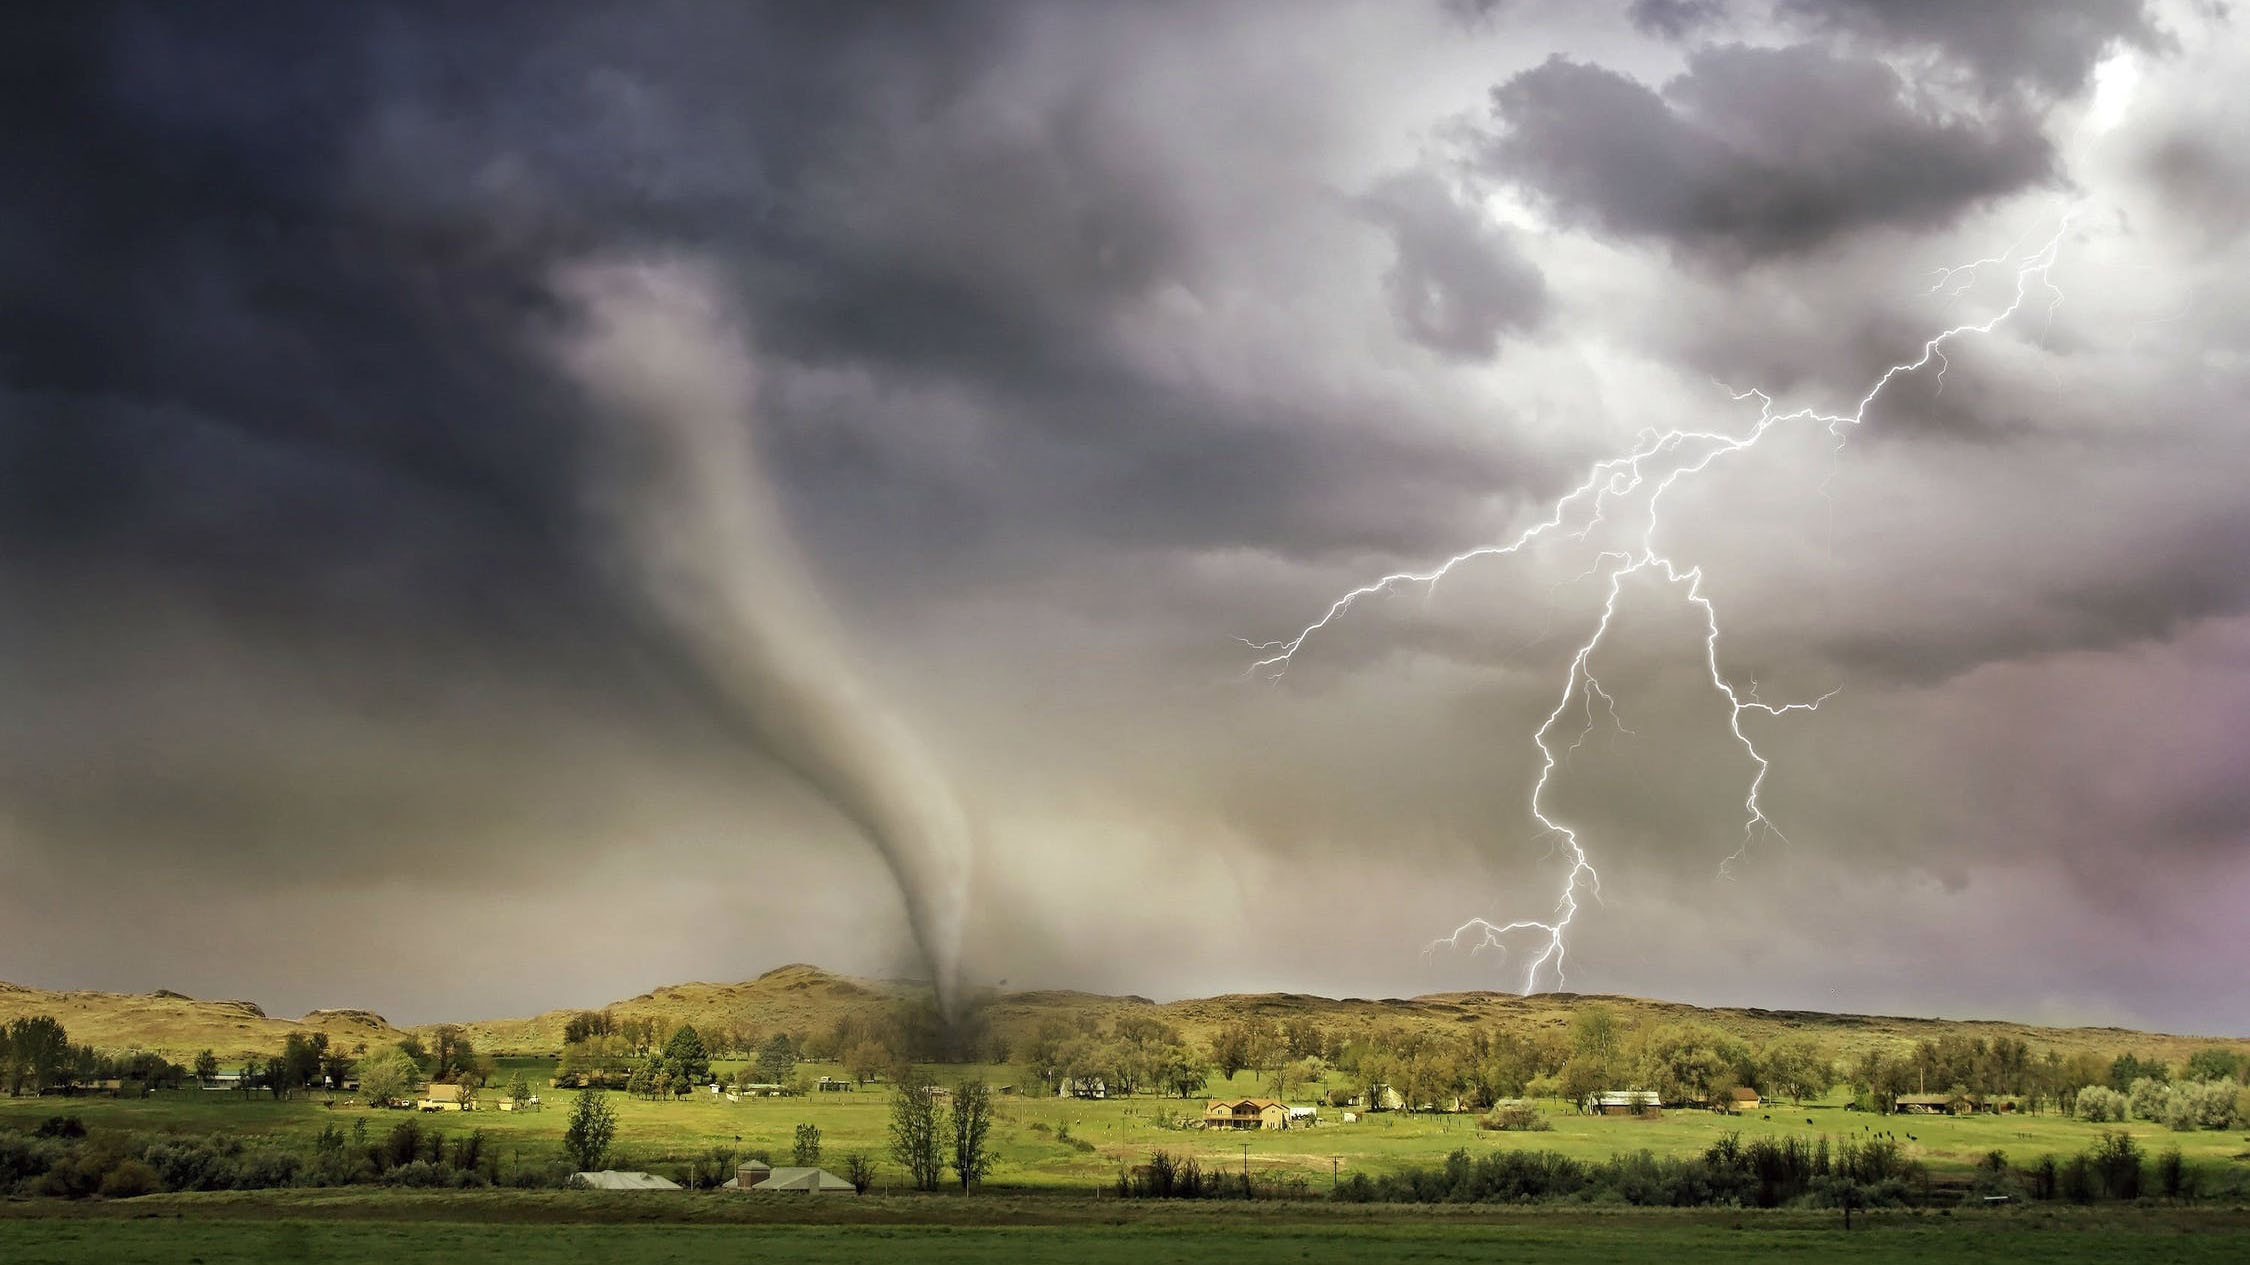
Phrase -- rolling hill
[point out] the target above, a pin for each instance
(177, 1025)
(805, 999)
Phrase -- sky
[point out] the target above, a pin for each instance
(504, 506)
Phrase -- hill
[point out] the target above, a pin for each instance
(177, 1026)
(805, 999)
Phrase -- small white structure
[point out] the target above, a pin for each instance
(611, 1179)
(805, 1181)
(1303, 1117)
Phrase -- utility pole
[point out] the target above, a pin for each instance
(1335, 1163)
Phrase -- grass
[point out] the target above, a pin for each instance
(1030, 1131)
(405, 1228)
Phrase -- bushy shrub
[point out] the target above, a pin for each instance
(1515, 1117)
(2173, 1177)
(2116, 1164)
(129, 1180)
(2101, 1105)
(2149, 1098)
(418, 1173)
(2200, 1105)
(1764, 1172)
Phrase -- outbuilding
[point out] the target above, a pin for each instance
(611, 1179)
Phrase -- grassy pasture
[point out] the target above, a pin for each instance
(408, 1228)
(1033, 1152)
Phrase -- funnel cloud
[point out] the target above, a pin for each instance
(701, 538)
(623, 494)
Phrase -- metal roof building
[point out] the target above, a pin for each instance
(611, 1179)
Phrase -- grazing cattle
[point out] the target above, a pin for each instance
(1808, 1119)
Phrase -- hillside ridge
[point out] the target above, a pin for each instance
(801, 998)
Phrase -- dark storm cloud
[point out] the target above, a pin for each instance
(1754, 152)
(1085, 339)
(2007, 43)
(1458, 283)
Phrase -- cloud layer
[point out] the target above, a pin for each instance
(1088, 340)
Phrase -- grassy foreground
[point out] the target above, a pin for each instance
(407, 1228)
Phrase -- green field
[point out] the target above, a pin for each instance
(1029, 1131)
(407, 1228)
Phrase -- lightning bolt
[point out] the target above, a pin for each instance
(1657, 462)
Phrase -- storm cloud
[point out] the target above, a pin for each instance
(1754, 151)
(1090, 342)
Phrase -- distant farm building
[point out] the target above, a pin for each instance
(1933, 1105)
(1740, 1098)
(758, 1176)
(1245, 1113)
(444, 1098)
(1082, 1087)
(1303, 1117)
(833, 1085)
(1623, 1102)
(611, 1179)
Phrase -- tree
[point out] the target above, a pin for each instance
(1184, 1072)
(38, 1053)
(300, 1059)
(451, 1052)
(914, 1129)
(593, 1125)
(1798, 1068)
(859, 1171)
(1594, 1032)
(2213, 1063)
(806, 1152)
(865, 1060)
(519, 1089)
(277, 1076)
(972, 1123)
(589, 1023)
(388, 1076)
(686, 1056)
(776, 1059)
(206, 1066)
(248, 1078)
(1233, 1048)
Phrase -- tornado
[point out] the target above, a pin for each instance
(699, 538)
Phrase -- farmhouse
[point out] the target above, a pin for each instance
(1933, 1105)
(1245, 1113)
(1622, 1102)
(445, 1098)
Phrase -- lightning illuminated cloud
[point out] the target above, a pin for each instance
(1657, 462)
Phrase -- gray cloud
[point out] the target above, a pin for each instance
(1673, 19)
(1088, 339)
(2007, 43)
(1754, 152)
(1458, 284)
